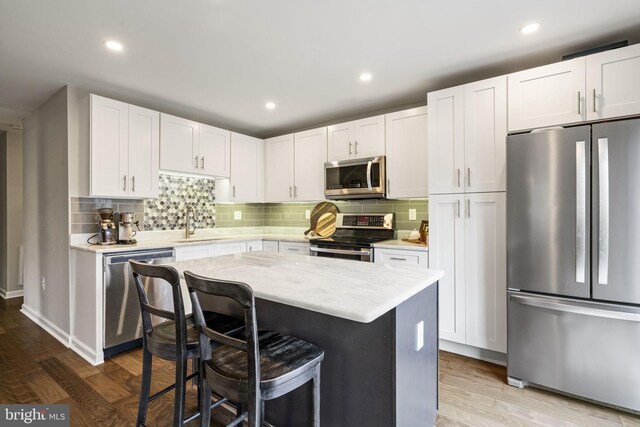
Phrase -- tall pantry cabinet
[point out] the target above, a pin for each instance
(467, 210)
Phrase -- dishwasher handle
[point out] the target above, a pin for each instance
(122, 258)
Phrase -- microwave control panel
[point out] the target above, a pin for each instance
(364, 220)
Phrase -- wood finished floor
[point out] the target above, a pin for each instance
(35, 368)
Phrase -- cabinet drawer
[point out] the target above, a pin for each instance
(184, 253)
(396, 257)
(293, 248)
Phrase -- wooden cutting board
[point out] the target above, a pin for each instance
(326, 225)
(319, 210)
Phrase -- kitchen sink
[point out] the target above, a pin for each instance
(198, 239)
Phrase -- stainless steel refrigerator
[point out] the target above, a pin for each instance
(573, 261)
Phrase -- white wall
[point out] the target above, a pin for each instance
(46, 214)
(10, 211)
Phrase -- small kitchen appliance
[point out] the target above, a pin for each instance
(126, 233)
(107, 233)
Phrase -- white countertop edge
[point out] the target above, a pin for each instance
(400, 244)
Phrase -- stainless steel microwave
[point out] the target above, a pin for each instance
(355, 179)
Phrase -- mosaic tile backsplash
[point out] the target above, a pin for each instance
(167, 212)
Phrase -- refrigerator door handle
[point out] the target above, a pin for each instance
(581, 211)
(603, 208)
(589, 309)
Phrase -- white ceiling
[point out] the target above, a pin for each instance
(219, 61)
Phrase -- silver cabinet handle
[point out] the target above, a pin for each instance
(468, 208)
(290, 192)
(603, 207)
(339, 251)
(356, 147)
(196, 162)
(579, 104)
(397, 259)
(581, 211)
(202, 162)
(133, 183)
(350, 143)
(458, 177)
(295, 191)
(234, 191)
(457, 213)
(388, 187)
(292, 249)
(124, 183)
(469, 177)
(594, 101)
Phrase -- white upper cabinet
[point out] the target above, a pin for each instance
(613, 88)
(356, 139)
(247, 169)
(191, 147)
(310, 154)
(279, 167)
(124, 141)
(547, 96)
(446, 140)
(467, 137)
(406, 148)
(214, 150)
(485, 135)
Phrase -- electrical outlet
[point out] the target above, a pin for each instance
(419, 335)
(237, 214)
(43, 283)
(307, 214)
(412, 214)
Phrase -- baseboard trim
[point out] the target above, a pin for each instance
(490, 356)
(46, 324)
(11, 294)
(86, 352)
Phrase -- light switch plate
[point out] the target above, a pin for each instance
(307, 214)
(237, 214)
(419, 335)
(412, 214)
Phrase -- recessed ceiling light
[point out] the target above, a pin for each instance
(270, 105)
(365, 77)
(530, 28)
(113, 45)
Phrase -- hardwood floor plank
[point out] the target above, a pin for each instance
(47, 390)
(110, 390)
(77, 364)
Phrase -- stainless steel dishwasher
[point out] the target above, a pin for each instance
(122, 323)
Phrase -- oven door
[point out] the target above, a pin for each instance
(355, 179)
(355, 254)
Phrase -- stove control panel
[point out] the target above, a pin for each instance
(364, 220)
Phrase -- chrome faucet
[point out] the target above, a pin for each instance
(188, 231)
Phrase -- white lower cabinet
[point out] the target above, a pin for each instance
(254, 246)
(468, 241)
(229, 248)
(185, 253)
(270, 246)
(293, 248)
(401, 257)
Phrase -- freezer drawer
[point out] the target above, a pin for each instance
(583, 348)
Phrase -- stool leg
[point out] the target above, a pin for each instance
(143, 404)
(204, 393)
(181, 374)
(316, 398)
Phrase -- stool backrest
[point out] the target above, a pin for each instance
(243, 295)
(169, 275)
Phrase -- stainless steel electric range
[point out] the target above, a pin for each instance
(354, 237)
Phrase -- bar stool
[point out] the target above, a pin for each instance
(249, 371)
(175, 339)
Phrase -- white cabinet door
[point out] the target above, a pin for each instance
(446, 252)
(398, 257)
(486, 265)
(270, 246)
(340, 141)
(247, 167)
(613, 89)
(144, 152)
(229, 248)
(254, 246)
(185, 253)
(279, 179)
(293, 248)
(310, 155)
(406, 148)
(214, 151)
(547, 96)
(109, 133)
(368, 137)
(178, 144)
(485, 134)
(446, 140)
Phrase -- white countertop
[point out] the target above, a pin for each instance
(358, 291)
(401, 244)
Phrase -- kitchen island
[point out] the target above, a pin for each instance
(377, 324)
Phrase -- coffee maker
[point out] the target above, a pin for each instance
(126, 221)
(107, 234)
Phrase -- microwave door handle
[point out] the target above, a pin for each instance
(369, 175)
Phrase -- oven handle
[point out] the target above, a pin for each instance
(369, 175)
(339, 251)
